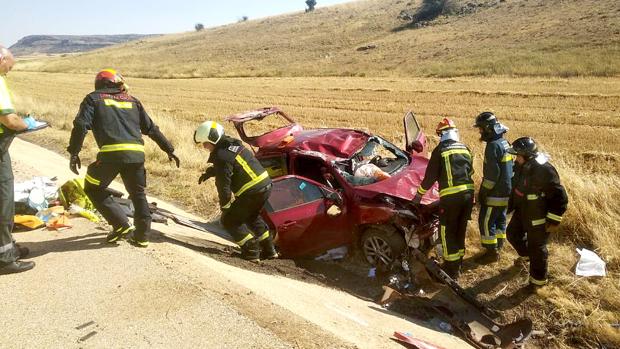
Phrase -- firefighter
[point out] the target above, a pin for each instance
(451, 165)
(539, 201)
(10, 252)
(118, 121)
(243, 187)
(495, 188)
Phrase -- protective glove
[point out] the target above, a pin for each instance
(552, 228)
(209, 172)
(417, 199)
(172, 157)
(75, 164)
(30, 122)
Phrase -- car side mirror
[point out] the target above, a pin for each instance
(416, 146)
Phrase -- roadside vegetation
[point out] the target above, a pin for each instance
(575, 120)
(459, 38)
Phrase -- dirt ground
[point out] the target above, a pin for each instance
(186, 289)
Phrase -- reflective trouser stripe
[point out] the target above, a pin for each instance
(462, 252)
(245, 239)
(554, 217)
(500, 235)
(264, 236)
(539, 221)
(421, 190)
(497, 202)
(456, 189)
(122, 147)
(487, 239)
(6, 247)
(448, 257)
(538, 282)
(532, 197)
(92, 180)
(227, 206)
(252, 183)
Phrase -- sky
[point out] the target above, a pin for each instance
(78, 17)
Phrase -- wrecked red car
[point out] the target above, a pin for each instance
(335, 187)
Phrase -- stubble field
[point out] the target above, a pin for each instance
(576, 121)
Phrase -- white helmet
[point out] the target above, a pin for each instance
(209, 131)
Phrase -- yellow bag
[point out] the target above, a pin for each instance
(72, 192)
(30, 222)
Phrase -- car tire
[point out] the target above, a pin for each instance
(381, 246)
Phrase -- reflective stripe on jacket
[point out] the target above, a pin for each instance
(118, 121)
(539, 194)
(237, 171)
(497, 173)
(450, 165)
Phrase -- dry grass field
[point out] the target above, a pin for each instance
(514, 37)
(577, 121)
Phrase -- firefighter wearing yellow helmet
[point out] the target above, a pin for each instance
(243, 187)
(118, 121)
(451, 165)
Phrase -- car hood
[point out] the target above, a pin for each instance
(403, 184)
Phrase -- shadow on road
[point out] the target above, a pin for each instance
(92, 241)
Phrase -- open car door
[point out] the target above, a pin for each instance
(415, 139)
(264, 127)
(309, 218)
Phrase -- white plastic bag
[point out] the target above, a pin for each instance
(590, 264)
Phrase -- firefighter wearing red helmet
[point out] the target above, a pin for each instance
(118, 121)
(451, 165)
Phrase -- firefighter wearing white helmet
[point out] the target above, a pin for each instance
(243, 187)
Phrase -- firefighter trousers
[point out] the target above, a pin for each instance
(455, 211)
(245, 210)
(492, 223)
(530, 241)
(98, 178)
(8, 252)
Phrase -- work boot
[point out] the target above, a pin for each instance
(16, 267)
(268, 251)
(250, 251)
(120, 233)
(452, 269)
(488, 257)
(138, 239)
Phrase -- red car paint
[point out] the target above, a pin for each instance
(309, 180)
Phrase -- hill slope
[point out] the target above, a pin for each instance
(518, 37)
(55, 44)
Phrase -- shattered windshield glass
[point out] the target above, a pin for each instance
(376, 161)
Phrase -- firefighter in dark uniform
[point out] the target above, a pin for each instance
(451, 165)
(118, 121)
(243, 187)
(495, 188)
(10, 252)
(539, 201)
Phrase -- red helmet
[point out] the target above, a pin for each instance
(445, 124)
(109, 78)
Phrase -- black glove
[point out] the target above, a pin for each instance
(416, 200)
(75, 164)
(172, 157)
(209, 172)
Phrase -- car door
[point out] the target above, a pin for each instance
(298, 209)
(415, 139)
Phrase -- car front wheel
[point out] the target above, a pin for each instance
(381, 246)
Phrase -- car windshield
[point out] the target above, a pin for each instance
(377, 160)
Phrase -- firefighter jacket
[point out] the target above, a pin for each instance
(118, 121)
(538, 193)
(6, 108)
(497, 173)
(237, 171)
(450, 165)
